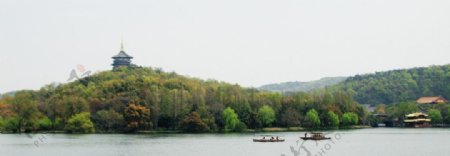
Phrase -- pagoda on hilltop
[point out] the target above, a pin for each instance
(121, 59)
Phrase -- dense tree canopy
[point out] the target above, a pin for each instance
(400, 110)
(137, 98)
(398, 85)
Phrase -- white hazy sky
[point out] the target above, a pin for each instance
(249, 42)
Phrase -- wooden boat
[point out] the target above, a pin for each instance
(315, 136)
(268, 138)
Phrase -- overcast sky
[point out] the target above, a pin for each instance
(249, 42)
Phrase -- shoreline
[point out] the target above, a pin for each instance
(263, 130)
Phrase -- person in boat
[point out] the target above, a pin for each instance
(271, 138)
(277, 137)
(305, 135)
(264, 138)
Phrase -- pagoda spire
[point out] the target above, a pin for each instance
(121, 46)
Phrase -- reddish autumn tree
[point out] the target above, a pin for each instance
(137, 117)
(194, 123)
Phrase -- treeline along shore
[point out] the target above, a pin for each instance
(136, 99)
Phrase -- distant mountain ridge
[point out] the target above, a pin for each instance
(294, 86)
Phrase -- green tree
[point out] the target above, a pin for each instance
(312, 119)
(446, 115)
(231, 119)
(74, 105)
(400, 110)
(332, 119)
(435, 116)
(25, 106)
(11, 124)
(80, 123)
(290, 118)
(349, 119)
(45, 124)
(56, 111)
(109, 120)
(2, 122)
(267, 115)
(193, 123)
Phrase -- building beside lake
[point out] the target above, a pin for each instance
(121, 59)
(417, 120)
(431, 100)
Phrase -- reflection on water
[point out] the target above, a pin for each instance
(369, 142)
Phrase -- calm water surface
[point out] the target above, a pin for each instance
(368, 142)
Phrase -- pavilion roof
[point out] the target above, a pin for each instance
(430, 99)
(122, 54)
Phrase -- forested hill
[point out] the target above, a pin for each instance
(302, 86)
(399, 85)
(135, 98)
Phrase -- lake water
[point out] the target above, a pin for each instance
(367, 142)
